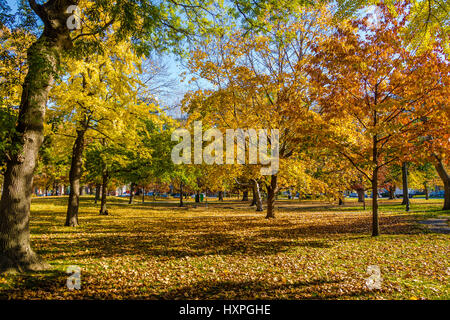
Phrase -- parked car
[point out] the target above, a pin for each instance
(437, 194)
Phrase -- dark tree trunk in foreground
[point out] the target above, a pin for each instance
(181, 195)
(143, 195)
(74, 179)
(272, 189)
(105, 177)
(427, 195)
(405, 185)
(97, 192)
(132, 186)
(443, 174)
(42, 56)
(245, 195)
(220, 195)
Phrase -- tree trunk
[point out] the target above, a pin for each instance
(391, 192)
(143, 195)
(42, 56)
(132, 186)
(245, 195)
(74, 179)
(427, 196)
(253, 203)
(375, 223)
(197, 196)
(271, 192)
(445, 179)
(361, 195)
(405, 185)
(105, 177)
(97, 192)
(257, 195)
(341, 199)
(181, 195)
(220, 195)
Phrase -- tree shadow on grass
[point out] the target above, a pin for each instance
(199, 237)
(250, 290)
(43, 282)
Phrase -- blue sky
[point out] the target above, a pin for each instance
(174, 69)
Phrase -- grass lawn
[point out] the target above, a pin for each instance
(312, 250)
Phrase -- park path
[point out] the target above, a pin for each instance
(437, 225)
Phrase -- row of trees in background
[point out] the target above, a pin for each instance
(351, 102)
(353, 113)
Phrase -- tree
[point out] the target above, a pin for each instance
(427, 20)
(152, 24)
(405, 185)
(369, 85)
(98, 94)
(258, 80)
(13, 46)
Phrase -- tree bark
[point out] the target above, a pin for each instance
(443, 174)
(257, 195)
(341, 199)
(105, 177)
(197, 196)
(132, 186)
(253, 203)
(361, 195)
(97, 192)
(245, 195)
(220, 195)
(42, 58)
(74, 179)
(427, 196)
(391, 192)
(143, 195)
(272, 189)
(181, 195)
(375, 223)
(405, 185)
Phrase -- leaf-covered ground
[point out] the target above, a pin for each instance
(312, 250)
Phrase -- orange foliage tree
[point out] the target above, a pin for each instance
(374, 94)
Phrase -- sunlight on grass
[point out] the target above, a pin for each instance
(228, 251)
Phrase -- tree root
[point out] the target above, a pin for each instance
(30, 261)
